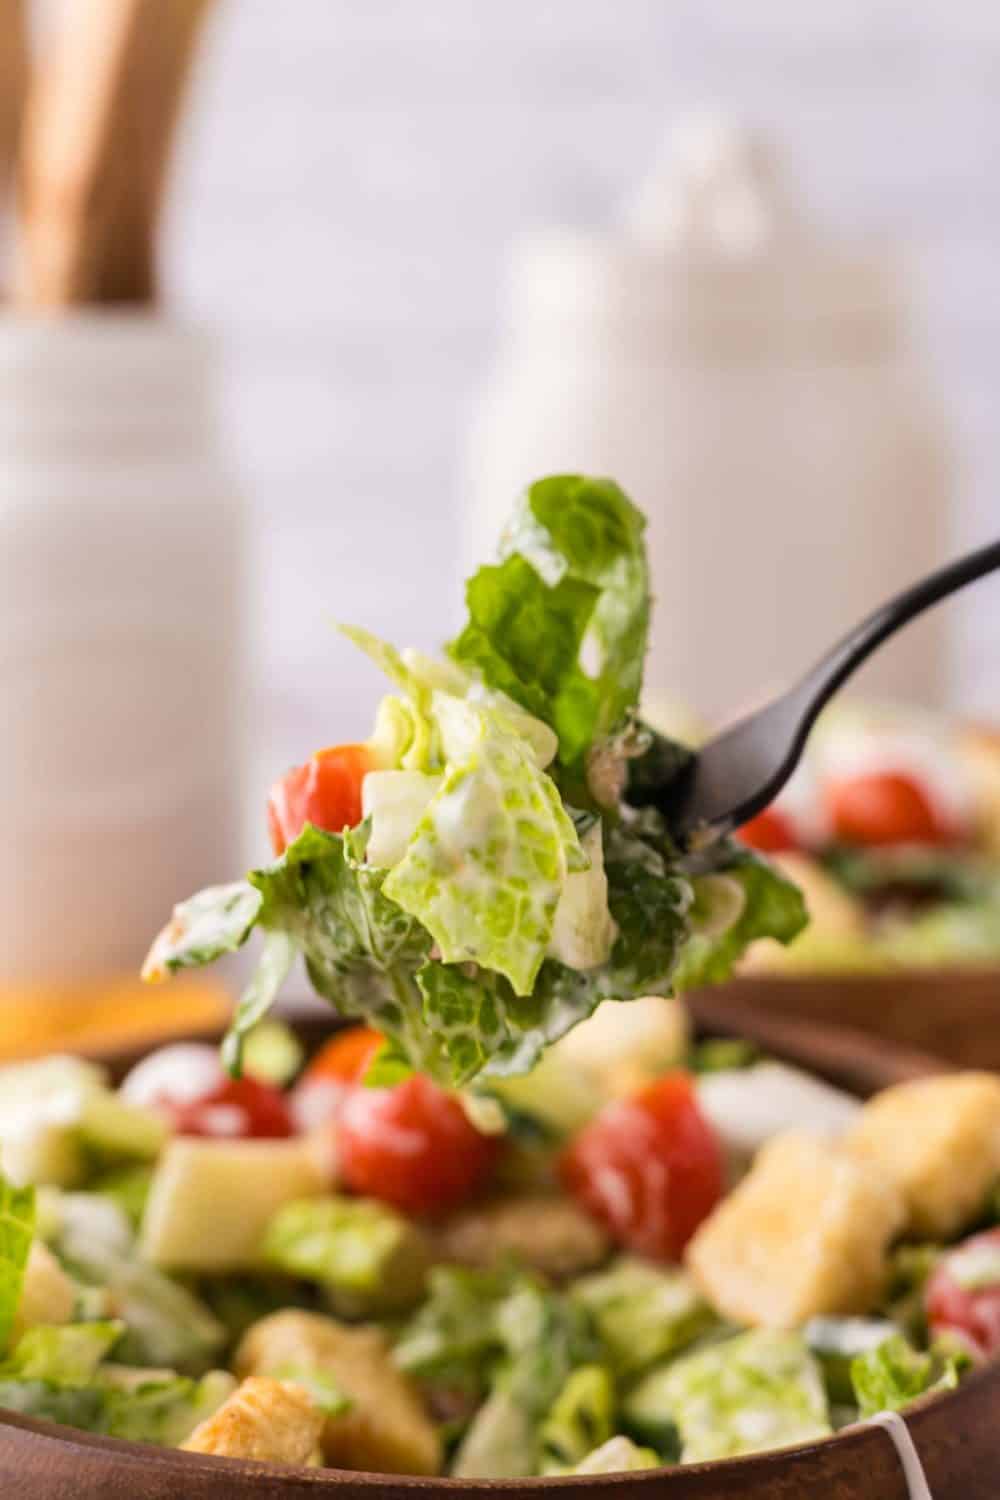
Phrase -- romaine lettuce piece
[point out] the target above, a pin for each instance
(215, 921)
(156, 1406)
(643, 1313)
(837, 1342)
(164, 1323)
(17, 1230)
(772, 907)
(69, 1354)
(366, 1257)
(501, 1442)
(395, 802)
(618, 1456)
(488, 861)
(757, 1391)
(893, 1374)
(454, 1338)
(583, 929)
(581, 1419)
(560, 624)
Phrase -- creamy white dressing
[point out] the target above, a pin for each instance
(913, 1470)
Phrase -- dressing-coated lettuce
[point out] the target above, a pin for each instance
(17, 1230)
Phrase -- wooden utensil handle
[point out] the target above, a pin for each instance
(13, 80)
(97, 136)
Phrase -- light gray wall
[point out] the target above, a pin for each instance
(352, 171)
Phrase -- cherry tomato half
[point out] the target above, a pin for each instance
(649, 1168)
(326, 792)
(883, 808)
(337, 1068)
(235, 1109)
(963, 1293)
(770, 832)
(412, 1146)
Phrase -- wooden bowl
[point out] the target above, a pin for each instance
(953, 1013)
(956, 1434)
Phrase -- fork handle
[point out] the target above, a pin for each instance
(818, 686)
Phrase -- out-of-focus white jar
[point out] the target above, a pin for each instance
(122, 639)
(755, 391)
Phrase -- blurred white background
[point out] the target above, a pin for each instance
(350, 179)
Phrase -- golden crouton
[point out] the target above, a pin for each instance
(47, 1296)
(273, 1421)
(806, 1232)
(387, 1428)
(547, 1233)
(938, 1139)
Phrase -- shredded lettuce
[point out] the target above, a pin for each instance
(17, 1230)
(581, 1418)
(893, 1374)
(643, 1313)
(746, 1394)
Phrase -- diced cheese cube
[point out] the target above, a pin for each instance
(806, 1232)
(938, 1139)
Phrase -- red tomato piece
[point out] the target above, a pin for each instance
(236, 1109)
(963, 1293)
(346, 1056)
(883, 808)
(649, 1168)
(336, 1069)
(326, 792)
(412, 1146)
(770, 832)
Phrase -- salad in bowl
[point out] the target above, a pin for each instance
(510, 1221)
(891, 828)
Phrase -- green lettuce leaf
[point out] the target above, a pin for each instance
(217, 920)
(643, 1313)
(560, 623)
(581, 1419)
(539, 1337)
(489, 859)
(772, 907)
(744, 1395)
(155, 1406)
(367, 1257)
(892, 1375)
(164, 1323)
(361, 950)
(17, 1230)
(69, 1355)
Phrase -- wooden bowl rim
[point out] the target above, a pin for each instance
(865, 1442)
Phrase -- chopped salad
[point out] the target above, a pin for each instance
(512, 1221)
(660, 1252)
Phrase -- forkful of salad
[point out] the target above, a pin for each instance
(512, 845)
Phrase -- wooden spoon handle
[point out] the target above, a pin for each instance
(97, 136)
(14, 68)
